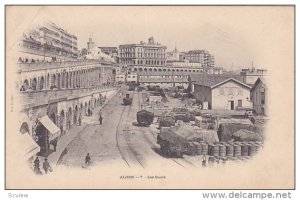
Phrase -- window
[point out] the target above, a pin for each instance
(262, 95)
(230, 91)
(240, 103)
(221, 91)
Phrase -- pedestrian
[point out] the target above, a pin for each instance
(79, 121)
(203, 161)
(54, 143)
(37, 169)
(88, 159)
(100, 119)
(46, 166)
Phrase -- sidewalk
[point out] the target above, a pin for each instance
(67, 138)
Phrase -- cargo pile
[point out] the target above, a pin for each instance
(225, 131)
(226, 150)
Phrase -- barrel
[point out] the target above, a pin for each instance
(259, 146)
(229, 150)
(213, 150)
(252, 149)
(222, 151)
(237, 150)
(204, 148)
(244, 149)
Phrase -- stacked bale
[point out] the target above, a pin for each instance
(225, 131)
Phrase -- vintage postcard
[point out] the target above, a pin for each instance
(150, 97)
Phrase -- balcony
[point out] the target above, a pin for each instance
(38, 98)
(49, 65)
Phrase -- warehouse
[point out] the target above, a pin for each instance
(228, 94)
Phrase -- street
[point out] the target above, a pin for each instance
(118, 141)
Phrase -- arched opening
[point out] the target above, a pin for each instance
(155, 70)
(69, 120)
(85, 109)
(42, 81)
(33, 84)
(145, 69)
(24, 128)
(164, 70)
(140, 69)
(53, 82)
(53, 117)
(81, 110)
(159, 69)
(58, 81)
(62, 121)
(67, 80)
(75, 114)
(42, 139)
(26, 84)
(150, 70)
(48, 81)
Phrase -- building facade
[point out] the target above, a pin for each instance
(229, 94)
(200, 56)
(47, 43)
(56, 96)
(143, 54)
(173, 55)
(259, 97)
(251, 75)
(164, 80)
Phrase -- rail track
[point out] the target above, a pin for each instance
(179, 161)
(129, 155)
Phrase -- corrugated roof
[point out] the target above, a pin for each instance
(216, 81)
(162, 73)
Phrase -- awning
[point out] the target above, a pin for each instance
(50, 126)
(28, 145)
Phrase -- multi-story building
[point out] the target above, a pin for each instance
(56, 90)
(110, 51)
(143, 54)
(200, 56)
(90, 45)
(59, 94)
(48, 43)
(173, 55)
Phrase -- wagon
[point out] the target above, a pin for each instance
(127, 100)
(144, 117)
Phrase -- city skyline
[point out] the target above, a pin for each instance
(231, 41)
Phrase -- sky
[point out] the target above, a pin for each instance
(236, 36)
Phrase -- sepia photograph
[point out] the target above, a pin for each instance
(149, 97)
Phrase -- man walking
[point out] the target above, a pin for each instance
(46, 166)
(100, 117)
(37, 166)
(88, 159)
